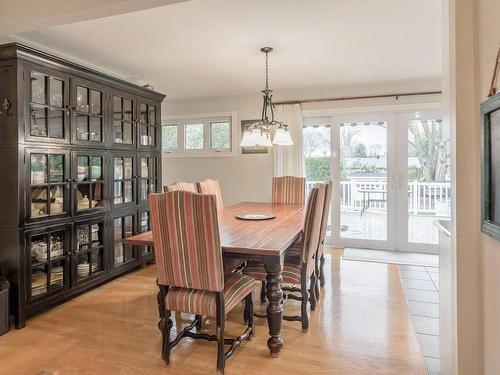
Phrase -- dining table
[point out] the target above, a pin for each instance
(264, 240)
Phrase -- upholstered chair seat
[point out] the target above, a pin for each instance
(203, 302)
(291, 272)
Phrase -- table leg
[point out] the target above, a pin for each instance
(275, 306)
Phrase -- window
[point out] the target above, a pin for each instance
(193, 136)
(169, 137)
(199, 136)
(220, 135)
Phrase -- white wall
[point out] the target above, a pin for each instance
(248, 177)
(488, 42)
(474, 41)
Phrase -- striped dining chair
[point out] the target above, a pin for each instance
(296, 249)
(320, 259)
(211, 187)
(189, 271)
(289, 190)
(184, 186)
(299, 270)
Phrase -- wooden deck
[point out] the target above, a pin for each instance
(361, 326)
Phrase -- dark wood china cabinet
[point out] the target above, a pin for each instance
(80, 154)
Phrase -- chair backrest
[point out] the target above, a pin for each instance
(312, 223)
(211, 187)
(186, 240)
(326, 211)
(289, 190)
(184, 186)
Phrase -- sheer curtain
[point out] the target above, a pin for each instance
(289, 160)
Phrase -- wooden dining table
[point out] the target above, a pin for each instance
(264, 240)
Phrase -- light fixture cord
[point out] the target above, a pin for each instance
(267, 75)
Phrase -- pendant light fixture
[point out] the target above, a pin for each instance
(259, 133)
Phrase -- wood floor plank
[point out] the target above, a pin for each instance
(361, 326)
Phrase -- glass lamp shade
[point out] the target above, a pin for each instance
(265, 139)
(247, 139)
(282, 137)
(254, 138)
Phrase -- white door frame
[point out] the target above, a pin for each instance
(337, 240)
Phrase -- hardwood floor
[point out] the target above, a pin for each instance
(361, 326)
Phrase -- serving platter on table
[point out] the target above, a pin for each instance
(254, 216)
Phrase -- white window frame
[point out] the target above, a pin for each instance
(207, 119)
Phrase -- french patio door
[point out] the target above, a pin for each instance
(364, 171)
(391, 180)
(423, 179)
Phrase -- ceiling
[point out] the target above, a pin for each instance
(209, 48)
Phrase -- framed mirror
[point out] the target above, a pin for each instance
(490, 167)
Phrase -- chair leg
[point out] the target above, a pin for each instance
(245, 312)
(198, 324)
(317, 274)
(249, 310)
(221, 360)
(312, 291)
(263, 292)
(305, 300)
(317, 292)
(165, 346)
(322, 270)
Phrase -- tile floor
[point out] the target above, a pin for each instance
(421, 285)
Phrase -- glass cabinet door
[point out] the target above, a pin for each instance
(48, 107)
(89, 250)
(123, 227)
(48, 251)
(147, 125)
(123, 121)
(89, 181)
(148, 176)
(88, 118)
(145, 226)
(123, 180)
(48, 180)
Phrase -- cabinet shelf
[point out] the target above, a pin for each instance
(45, 262)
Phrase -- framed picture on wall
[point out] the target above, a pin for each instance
(251, 150)
(490, 167)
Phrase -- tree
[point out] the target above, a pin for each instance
(318, 169)
(314, 141)
(360, 151)
(348, 135)
(426, 143)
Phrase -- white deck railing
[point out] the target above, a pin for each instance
(423, 197)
